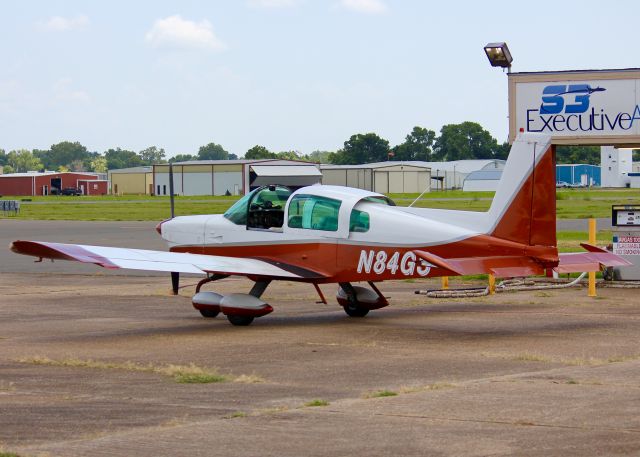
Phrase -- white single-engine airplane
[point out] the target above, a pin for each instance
(329, 234)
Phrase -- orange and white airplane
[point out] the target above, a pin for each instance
(329, 234)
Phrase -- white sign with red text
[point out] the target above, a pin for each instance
(626, 245)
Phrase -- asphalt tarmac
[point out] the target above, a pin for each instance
(85, 367)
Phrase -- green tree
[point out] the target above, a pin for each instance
(182, 158)
(99, 164)
(43, 155)
(23, 160)
(362, 148)
(259, 152)
(152, 155)
(8, 169)
(77, 166)
(121, 158)
(212, 151)
(578, 154)
(63, 153)
(288, 155)
(503, 151)
(467, 140)
(417, 145)
(3, 157)
(318, 156)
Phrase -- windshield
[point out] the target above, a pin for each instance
(267, 198)
(238, 212)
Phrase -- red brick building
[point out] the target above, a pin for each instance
(49, 182)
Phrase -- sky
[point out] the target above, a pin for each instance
(298, 75)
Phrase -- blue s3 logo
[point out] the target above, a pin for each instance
(553, 101)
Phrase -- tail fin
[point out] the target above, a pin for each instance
(524, 206)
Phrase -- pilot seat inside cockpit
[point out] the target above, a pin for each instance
(266, 207)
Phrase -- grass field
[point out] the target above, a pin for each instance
(569, 241)
(143, 210)
(571, 204)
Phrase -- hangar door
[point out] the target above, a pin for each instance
(401, 181)
(286, 175)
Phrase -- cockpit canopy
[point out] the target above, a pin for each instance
(264, 209)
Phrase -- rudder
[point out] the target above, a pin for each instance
(524, 206)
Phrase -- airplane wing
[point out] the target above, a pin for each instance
(141, 259)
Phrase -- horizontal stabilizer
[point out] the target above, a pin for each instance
(141, 259)
(593, 260)
(500, 266)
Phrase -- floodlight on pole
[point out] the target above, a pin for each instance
(499, 55)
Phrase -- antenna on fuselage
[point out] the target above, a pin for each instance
(428, 189)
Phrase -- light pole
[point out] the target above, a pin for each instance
(499, 55)
(454, 177)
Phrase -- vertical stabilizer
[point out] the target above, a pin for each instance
(524, 207)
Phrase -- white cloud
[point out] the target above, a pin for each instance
(173, 31)
(64, 92)
(272, 3)
(64, 24)
(364, 6)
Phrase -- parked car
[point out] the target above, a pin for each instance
(562, 185)
(70, 191)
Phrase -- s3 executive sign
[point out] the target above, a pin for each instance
(577, 107)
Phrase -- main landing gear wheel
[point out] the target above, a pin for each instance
(209, 314)
(238, 320)
(358, 301)
(348, 298)
(356, 310)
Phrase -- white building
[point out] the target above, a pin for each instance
(482, 180)
(451, 175)
(615, 166)
(232, 177)
(406, 177)
(384, 177)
